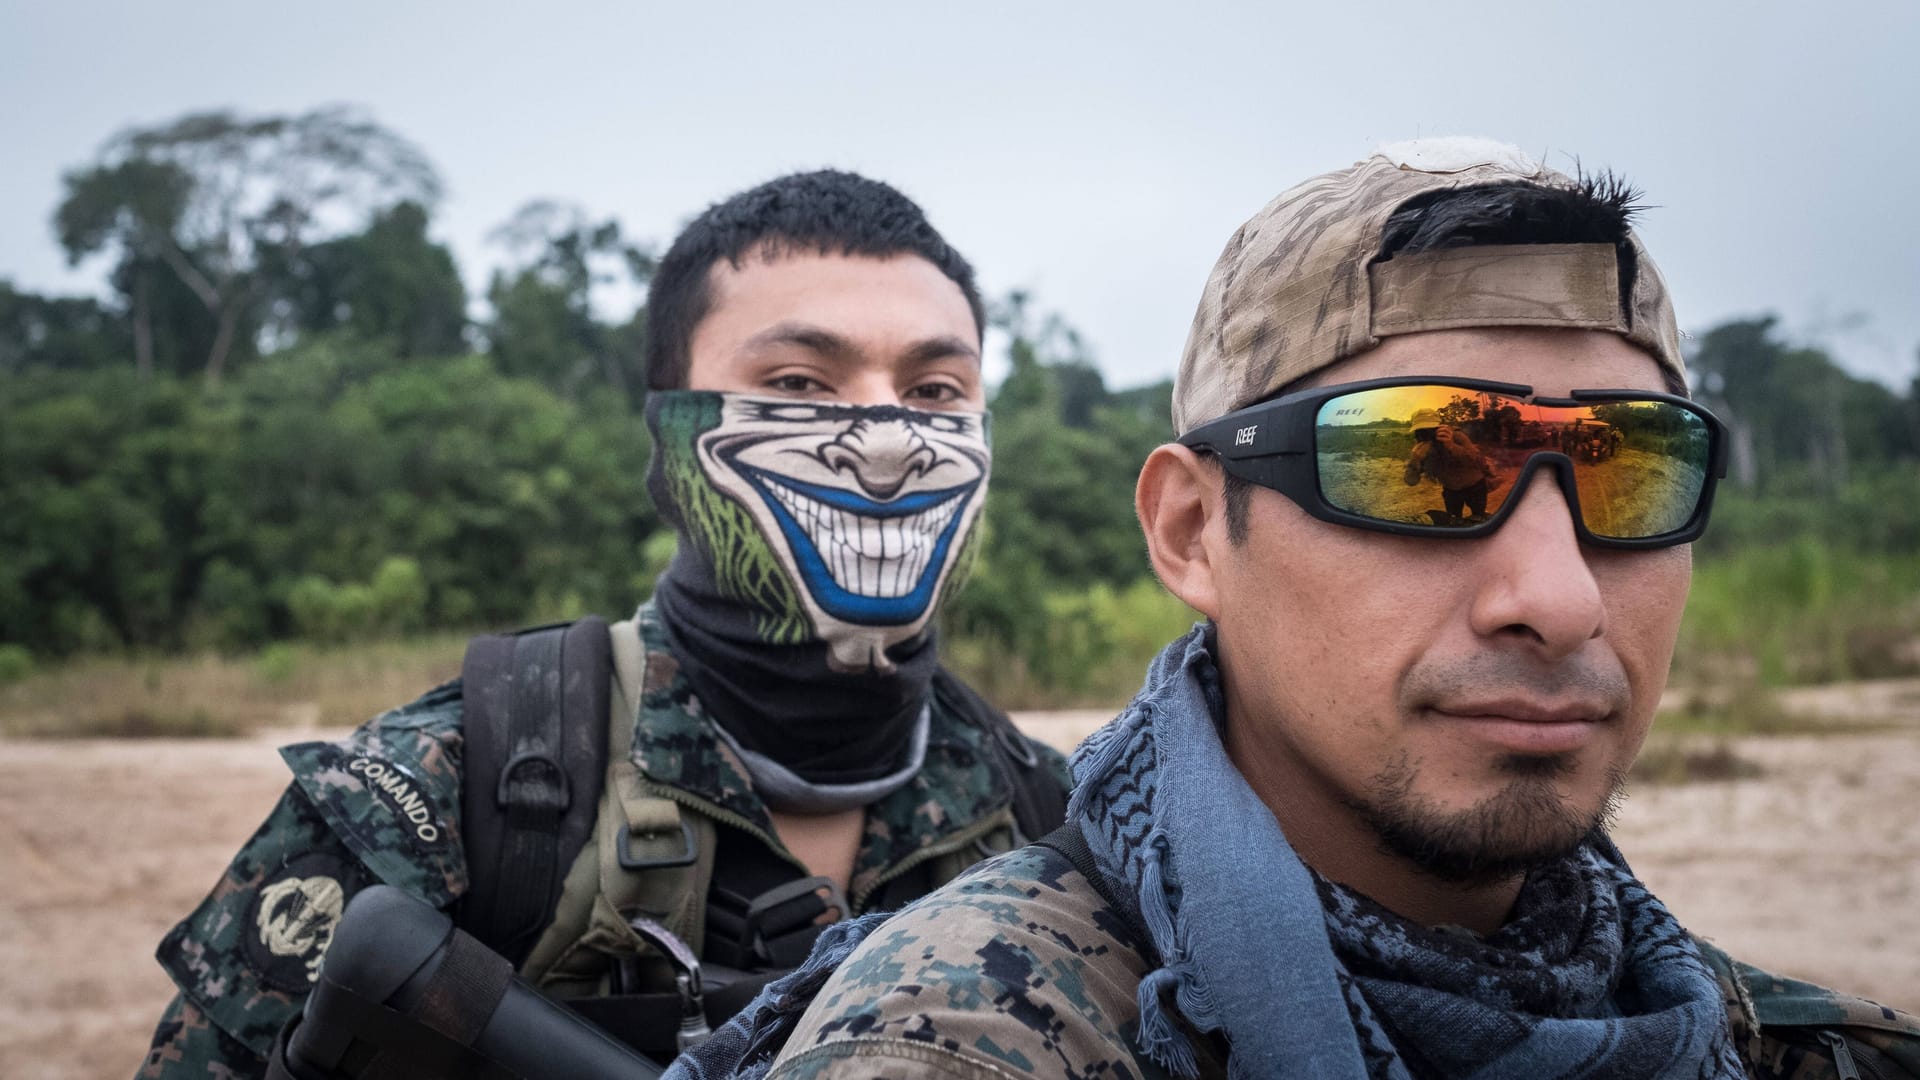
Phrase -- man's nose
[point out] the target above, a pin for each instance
(1536, 585)
(870, 386)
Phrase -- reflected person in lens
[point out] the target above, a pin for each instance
(1445, 454)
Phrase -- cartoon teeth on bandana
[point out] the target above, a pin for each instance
(866, 508)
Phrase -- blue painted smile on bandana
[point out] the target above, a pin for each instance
(865, 562)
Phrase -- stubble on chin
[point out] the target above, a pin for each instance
(1528, 824)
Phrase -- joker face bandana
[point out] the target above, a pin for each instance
(842, 524)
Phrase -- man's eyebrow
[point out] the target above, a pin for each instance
(827, 343)
(813, 338)
(941, 348)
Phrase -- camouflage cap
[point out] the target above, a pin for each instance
(1298, 286)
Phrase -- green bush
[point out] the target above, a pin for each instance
(399, 596)
(1804, 611)
(16, 663)
(327, 491)
(1089, 647)
(277, 663)
(392, 603)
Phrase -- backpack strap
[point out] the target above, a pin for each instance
(646, 855)
(1039, 802)
(535, 705)
(1069, 841)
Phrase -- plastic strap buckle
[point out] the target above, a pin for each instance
(532, 757)
(630, 861)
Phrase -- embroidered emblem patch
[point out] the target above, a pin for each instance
(293, 916)
(403, 795)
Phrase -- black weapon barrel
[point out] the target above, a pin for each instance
(403, 992)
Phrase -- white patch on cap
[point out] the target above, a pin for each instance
(1457, 153)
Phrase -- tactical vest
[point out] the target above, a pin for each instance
(387, 803)
(637, 921)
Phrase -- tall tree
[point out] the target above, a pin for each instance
(218, 201)
(545, 324)
(63, 333)
(390, 284)
(1793, 412)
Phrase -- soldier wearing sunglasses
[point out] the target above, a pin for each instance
(1351, 827)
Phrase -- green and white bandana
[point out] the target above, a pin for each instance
(817, 541)
(842, 523)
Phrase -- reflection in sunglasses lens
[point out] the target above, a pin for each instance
(1447, 457)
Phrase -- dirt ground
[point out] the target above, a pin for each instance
(1812, 870)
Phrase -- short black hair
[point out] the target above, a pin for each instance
(1594, 209)
(827, 212)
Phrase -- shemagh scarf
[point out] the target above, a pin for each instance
(816, 541)
(1592, 978)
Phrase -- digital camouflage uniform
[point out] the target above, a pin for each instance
(383, 806)
(1019, 968)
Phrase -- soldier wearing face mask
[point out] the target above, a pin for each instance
(783, 749)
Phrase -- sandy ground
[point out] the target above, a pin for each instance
(1808, 870)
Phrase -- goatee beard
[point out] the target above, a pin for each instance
(1526, 826)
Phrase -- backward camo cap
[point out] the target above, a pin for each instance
(1297, 287)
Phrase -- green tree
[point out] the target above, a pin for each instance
(1460, 411)
(1059, 512)
(1793, 414)
(63, 333)
(224, 205)
(545, 326)
(389, 284)
(134, 206)
(323, 489)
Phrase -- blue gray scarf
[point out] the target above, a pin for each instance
(1591, 978)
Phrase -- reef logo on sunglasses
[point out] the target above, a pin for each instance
(1448, 457)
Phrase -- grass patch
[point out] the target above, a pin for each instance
(16, 663)
(211, 695)
(1739, 705)
(1675, 759)
(1804, 611)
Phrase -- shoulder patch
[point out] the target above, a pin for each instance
(293, 915)
(402, 794)
(223, 958)
(394, 801)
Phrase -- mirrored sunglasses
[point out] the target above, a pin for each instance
(1450, 457)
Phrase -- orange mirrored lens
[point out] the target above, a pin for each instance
(1448, 457)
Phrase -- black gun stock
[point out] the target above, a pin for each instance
(403, 993)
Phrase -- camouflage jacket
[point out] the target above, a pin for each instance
(1019, 968)
(383, 806)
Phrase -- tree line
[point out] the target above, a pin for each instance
(283, 422)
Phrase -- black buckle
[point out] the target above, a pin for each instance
(630, 861)
(760, 907)
(530, 757)
(1016, 745)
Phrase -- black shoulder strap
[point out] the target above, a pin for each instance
(535, 706)
(1068, 840)
(1039, 802)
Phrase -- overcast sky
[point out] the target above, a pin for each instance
(1097, 154)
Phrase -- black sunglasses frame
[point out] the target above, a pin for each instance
(1271, 443)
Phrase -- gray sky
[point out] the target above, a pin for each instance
(1099, 154)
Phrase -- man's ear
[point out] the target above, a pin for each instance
(1179, 501)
